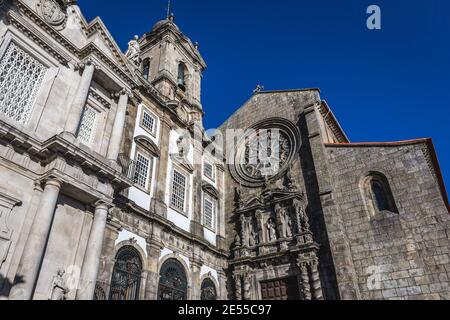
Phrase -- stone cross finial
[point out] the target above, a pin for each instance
(258, 88)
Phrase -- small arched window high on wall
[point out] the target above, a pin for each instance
(182, 73)
(172, 282)
(208, 290)
(378, 194)
(126, 277)
(146, 68)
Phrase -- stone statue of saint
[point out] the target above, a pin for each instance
(245, 231)
(272, 231)
(285, 221)
(59, 289)
(253, 235)
(134, 50)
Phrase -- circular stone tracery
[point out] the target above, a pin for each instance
(265, 152)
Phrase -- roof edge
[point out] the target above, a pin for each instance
(431, 150)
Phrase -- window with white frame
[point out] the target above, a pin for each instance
(209, 212)
(178, 198)
(142, 171)
(21, 77)
(87, 125)
(148, 122)
(208, 170)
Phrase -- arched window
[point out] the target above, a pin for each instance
(378, 193)
(208, 290)
(173, 281)
(146, 68)
(182, 72)
(126, 278)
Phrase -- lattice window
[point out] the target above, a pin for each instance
(173, 282)
(209, 210)
(21, 77)
(142, 173)
(178, 191)
(87, 125)
(208, 170)
(148, 122)
(126, 277)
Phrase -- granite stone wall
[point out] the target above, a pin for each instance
(396, 255)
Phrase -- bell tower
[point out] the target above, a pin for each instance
(172, 63)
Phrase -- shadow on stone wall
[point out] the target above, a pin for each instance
(6, 285)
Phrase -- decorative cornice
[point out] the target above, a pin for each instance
(96, 96)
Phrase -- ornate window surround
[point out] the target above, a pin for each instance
(214, 202)
(187, 175)
(213, 178)
(288, 128)
(144, 111)
(146, 154)
(52, 70)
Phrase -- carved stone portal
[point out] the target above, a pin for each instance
(274, 234)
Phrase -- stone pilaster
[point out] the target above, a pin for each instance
(33, 253)
(196, 267)
(119, 124)
(222, 290)
(196, 223)
(81, 95)
(158, 204)
(91, 263)
(154, 251)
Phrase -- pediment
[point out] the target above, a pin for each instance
(210, 190)
(253, 202)
(148, 145)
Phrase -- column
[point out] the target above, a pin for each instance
(158, 205)
(33, 253)
(305, 286)
(237, 287)
(119, 125)
(315, 279)
(79, 101)
(91, 263)
(247, 294)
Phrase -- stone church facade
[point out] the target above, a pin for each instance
(110, 188)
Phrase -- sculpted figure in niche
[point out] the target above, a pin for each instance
(272, 230)
(260, 226)
(284, 219)
(134, 50)
(59, 289)
(302, 216)
(254, 239)
(245, 236)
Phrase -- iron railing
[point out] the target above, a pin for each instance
(128, 166)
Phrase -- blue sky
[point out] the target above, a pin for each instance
(385, 85)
